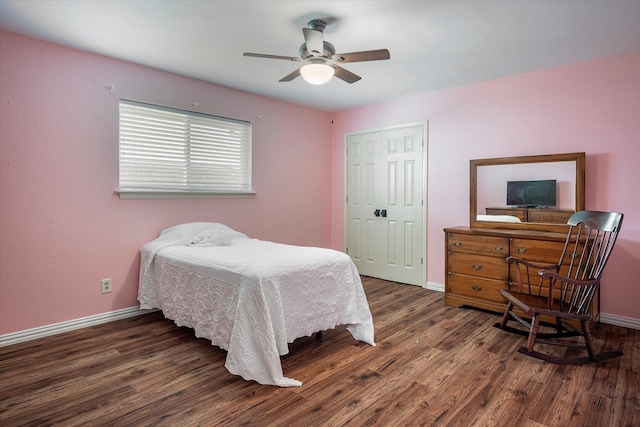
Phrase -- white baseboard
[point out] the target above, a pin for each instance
(433, 286)
(625, 322)
(58, 328)
(83, 322)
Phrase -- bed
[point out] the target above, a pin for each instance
(251, 297)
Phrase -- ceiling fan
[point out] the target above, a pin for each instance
(321, 58)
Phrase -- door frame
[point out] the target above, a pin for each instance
(425, 157)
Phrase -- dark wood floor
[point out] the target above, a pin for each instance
(433, 365)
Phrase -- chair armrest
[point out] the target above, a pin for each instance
(529, 269)
(552, 277)
(546, 274)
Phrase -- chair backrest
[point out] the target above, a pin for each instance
(590, 239)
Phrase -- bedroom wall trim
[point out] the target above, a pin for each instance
(70, 325)
(434, 286)
(625, 322)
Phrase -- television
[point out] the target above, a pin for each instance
(537, 194)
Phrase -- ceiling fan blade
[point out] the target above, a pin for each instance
(345, 75)
(286, 58)
(291, 76)
(368, 55)
(313, 40)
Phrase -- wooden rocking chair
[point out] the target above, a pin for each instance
(563, 293)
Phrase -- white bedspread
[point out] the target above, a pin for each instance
(251, 297)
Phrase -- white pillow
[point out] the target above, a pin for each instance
(216, 237)
(192, 228)
(200, 234)
(498, 218)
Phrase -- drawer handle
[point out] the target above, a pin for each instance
(476, 288)
(476, 266)
(521, 250)
(497, 248)
(458, 244)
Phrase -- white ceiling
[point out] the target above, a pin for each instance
(434, 45)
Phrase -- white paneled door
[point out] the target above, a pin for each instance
(385, 203)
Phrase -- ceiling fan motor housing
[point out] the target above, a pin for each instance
(327, 53)
(317, 24)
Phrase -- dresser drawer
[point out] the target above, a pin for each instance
(476, 265)
(476, 287)
(542, 215)
(482, 245)
(536, 250)
(562, 217)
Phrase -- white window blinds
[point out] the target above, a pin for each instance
(169, 150)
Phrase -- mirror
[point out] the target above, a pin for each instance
(488, 189)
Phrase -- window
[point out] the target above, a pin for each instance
(168, 151)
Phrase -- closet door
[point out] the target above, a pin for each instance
(363, 186)
(385, 203)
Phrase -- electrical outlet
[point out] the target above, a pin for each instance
(106, 286)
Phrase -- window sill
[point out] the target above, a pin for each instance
(160, 194)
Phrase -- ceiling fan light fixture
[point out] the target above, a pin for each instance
(317, 74)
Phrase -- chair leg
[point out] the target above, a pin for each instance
(587, 339)
(509, 315)
(533, 332)
(506, 316)
(559, 327)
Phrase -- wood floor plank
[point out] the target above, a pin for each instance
(631, 350)
(559, 397)
(626, 404)
(402, 401)
(512, 403)
(433, 365)
(591, 409)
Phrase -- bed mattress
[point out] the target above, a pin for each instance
(253, 297)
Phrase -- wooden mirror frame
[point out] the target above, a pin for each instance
(578, 158)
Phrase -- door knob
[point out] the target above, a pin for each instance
(383, 213)
(376, 212)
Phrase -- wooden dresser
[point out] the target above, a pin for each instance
(476, 263)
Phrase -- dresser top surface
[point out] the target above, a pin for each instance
(502, 232)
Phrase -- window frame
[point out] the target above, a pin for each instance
(182, 163)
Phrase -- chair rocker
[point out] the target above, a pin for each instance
(561, 295)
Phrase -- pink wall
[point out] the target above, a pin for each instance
(592, 107)
(62, 228)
